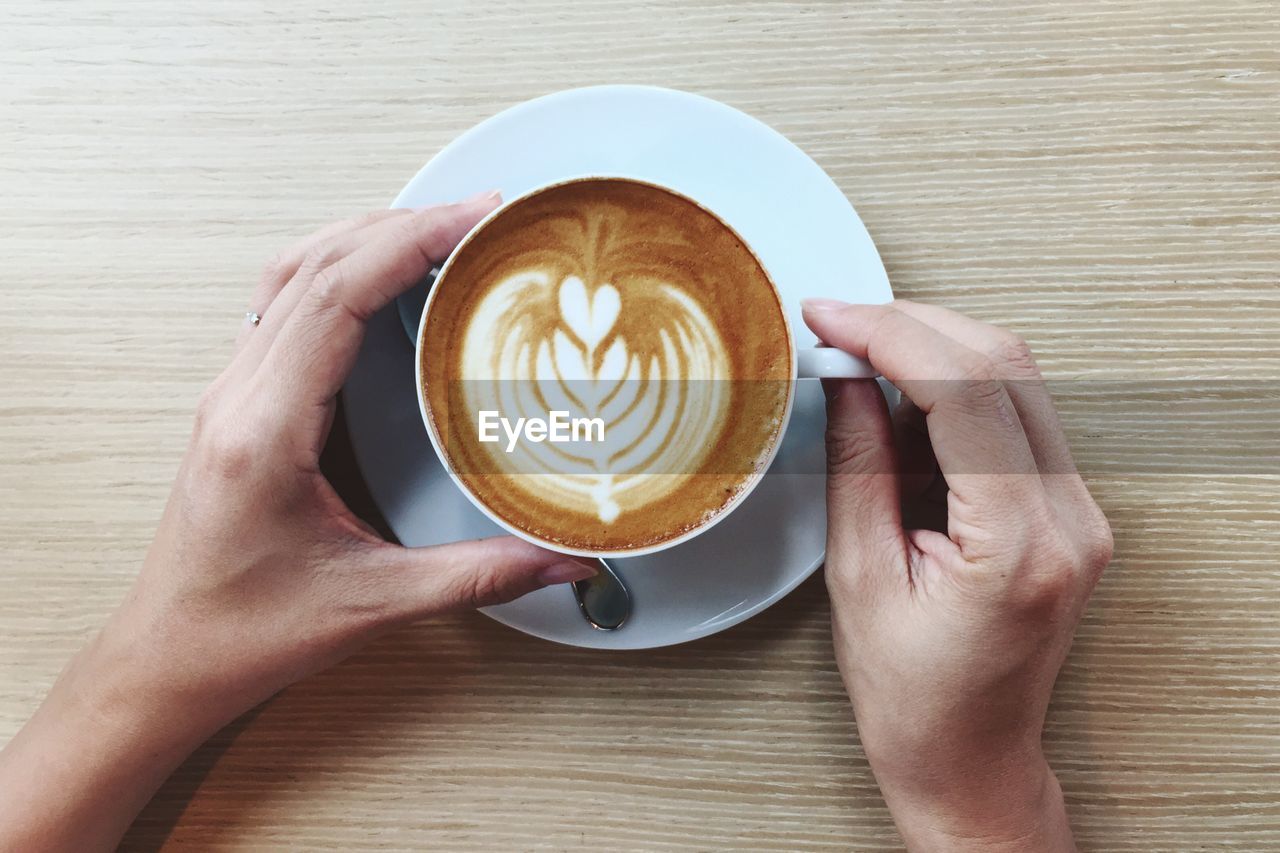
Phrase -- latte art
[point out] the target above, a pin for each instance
(535, 345)
(609, 302)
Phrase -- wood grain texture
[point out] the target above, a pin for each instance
(1102, 177)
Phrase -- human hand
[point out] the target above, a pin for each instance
(949, 642)
(259, 574)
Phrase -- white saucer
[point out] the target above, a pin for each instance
(787, 209)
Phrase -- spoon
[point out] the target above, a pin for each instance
(604, 600)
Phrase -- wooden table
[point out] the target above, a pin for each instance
(1102, 177)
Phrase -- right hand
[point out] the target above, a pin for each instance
(949, 641)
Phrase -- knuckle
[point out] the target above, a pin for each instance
(1034, 570)
(327, 285)
(848, 449)
(1051, 583)
(1098, 545)
(842, 589)
(231, 454)
(885, 332)
(372, 217)
(979, 393)
(364, 600)
(1057, 555)
(983, 390)
(1047, 591)
(277, 269)
(1012, 354)
(845, 587)
(319, 257)
(977, 368)
(411, 226)
(421, 230)
(206, 406)
(482, 589)
(225, 446)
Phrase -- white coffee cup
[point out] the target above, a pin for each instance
(809, 363)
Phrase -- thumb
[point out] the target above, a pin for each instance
(865, 540)
(862, 486)
(863, 494)
(477, 573)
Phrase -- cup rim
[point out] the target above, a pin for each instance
(424, 407)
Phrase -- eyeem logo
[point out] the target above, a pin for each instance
(558, 429)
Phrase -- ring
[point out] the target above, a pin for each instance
(253, 317)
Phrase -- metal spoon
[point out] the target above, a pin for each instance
(604, 600)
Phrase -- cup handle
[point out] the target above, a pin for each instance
(831, 363)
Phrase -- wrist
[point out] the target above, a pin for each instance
(1017, 809)
(113, 687)
(135, 676)
(101, 743)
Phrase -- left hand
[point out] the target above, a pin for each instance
(259, 574)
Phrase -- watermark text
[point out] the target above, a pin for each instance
(558, 428)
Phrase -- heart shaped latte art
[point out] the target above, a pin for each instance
(650, 369)
(592, 317)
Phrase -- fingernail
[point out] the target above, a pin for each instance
(822, 304)
(566, 572)
(487, 195)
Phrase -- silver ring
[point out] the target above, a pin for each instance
(253, 317)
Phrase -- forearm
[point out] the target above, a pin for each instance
(94, 753)
(1024, 815)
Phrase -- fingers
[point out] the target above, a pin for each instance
(864, 523)
(917, 467)
(973, 425)
(478, 573)
(314, 351)
(1016, 368)
(281, 269)
(317, 259)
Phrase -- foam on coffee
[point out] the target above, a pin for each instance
(619, 301)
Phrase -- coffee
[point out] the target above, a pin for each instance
(634, 325)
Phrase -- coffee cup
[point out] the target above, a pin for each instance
(639, 327)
